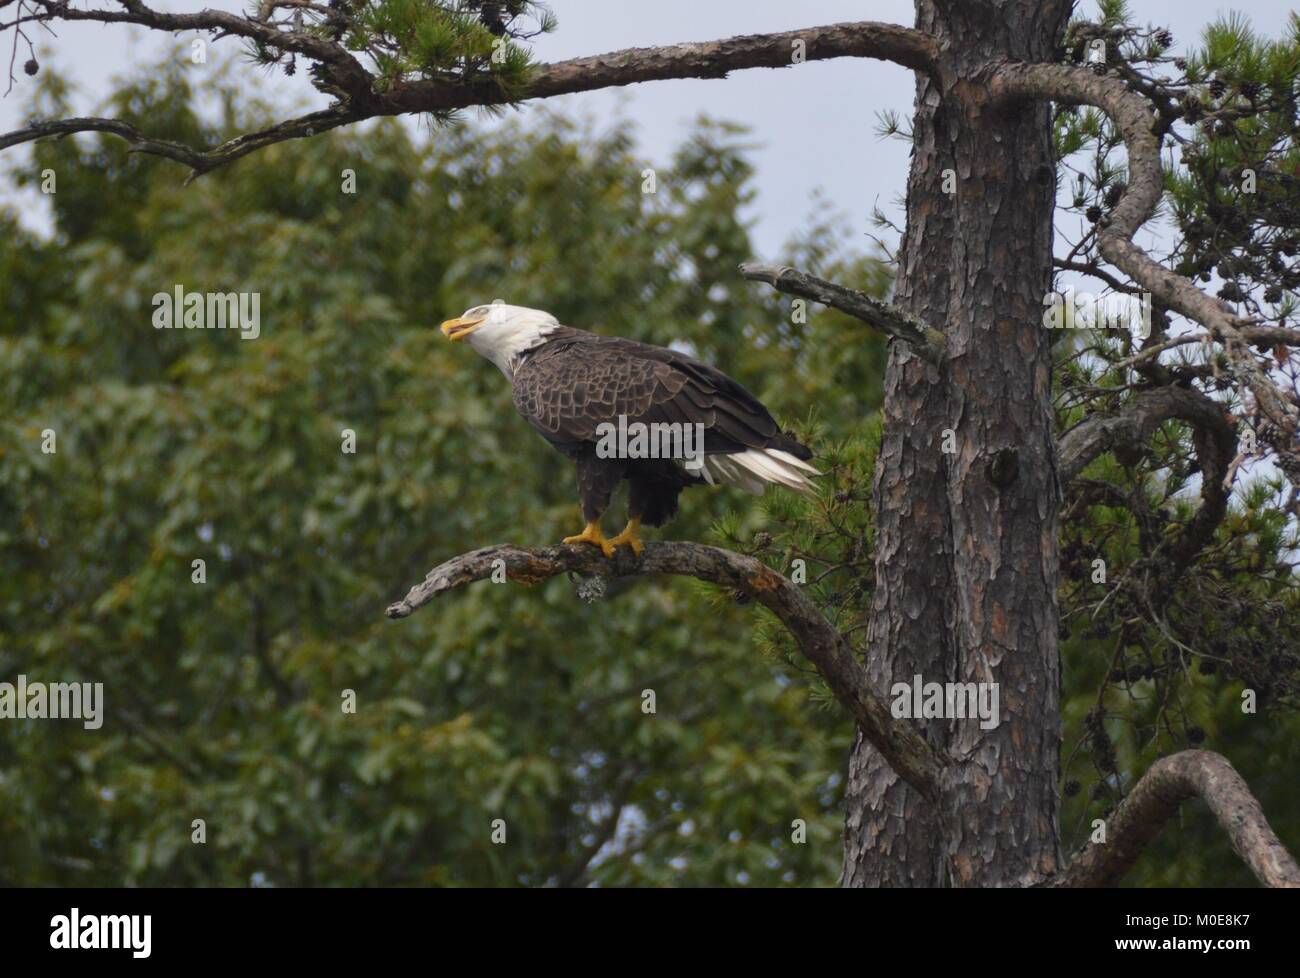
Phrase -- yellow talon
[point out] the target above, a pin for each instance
(630, 537)
(593, 534)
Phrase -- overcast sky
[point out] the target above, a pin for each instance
(814, 124)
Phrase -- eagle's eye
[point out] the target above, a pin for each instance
(477, 311)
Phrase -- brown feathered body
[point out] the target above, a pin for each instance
(573, 382)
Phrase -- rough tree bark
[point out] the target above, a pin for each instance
(967, 558)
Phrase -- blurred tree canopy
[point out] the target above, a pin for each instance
(223, 699)
(525, 704)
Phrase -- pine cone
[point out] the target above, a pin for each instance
(490, 15)
(1266, 431)
(1289, 463)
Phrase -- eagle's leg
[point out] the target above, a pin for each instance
(594, 534)
(629, 536)
(597, 480)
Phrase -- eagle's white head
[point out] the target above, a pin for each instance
(501, 332)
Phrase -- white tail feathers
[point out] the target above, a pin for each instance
(754, 468)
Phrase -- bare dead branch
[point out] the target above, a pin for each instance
(705, 59)
(887, 319)
(198, 161)
(359, 100)
(344, 68)
(902, 745)
(1154, 800)
(1272, 335)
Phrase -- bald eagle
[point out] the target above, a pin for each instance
(581, 390)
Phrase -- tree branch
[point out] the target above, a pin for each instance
(706, 59)
(901, 744)
(345, 68)
(884, 318)
(355, 87)
(1272, 335)
(1155, 799)
(198, 161)
(1130, 428)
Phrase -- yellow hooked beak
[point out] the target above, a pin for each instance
(458, 329)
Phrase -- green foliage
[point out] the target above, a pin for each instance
(406, 40)
(223, 699)
(1232, 111)
(417, 37)
(823, 542)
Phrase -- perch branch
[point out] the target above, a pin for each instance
(1154, 800)
(902, 745)
(880, 316)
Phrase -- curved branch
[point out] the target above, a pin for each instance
(1132, 425)
(1213, 440)
(1154, 800)
(1136, 116)
(902, 745)
(884, 318)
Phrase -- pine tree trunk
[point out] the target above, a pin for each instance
(967, 542)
